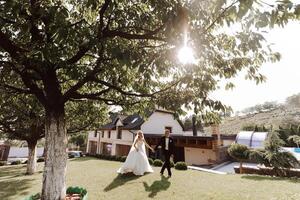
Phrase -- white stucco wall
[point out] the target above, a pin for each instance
(91, 135)
(196, 156)
(157, 122)
(190, 133)
(228, 142)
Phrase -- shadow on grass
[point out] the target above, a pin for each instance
(12, 171)
(121, 180)
(157, 186)
(81, 159)
(269, 178)
(11, 188)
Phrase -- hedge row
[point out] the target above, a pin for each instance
(109, 157)
(156, 162)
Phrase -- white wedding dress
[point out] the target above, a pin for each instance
(136, 161)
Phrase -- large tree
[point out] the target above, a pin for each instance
(124, 53)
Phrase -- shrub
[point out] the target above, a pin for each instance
(118, 158)
(150, 161)
(181, 166)
(41, 160)
(113, 158)
(239, 152)
(101, 156)
(123, 158)
(2, 163)
(17, 162)
(71, 156)
(172, 164)
(98, 156)
(106, 157)
(157, 163)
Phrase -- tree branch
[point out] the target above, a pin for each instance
(84, 48)
(128, 93)
(101, 18)
(9, 21)
(15, 89)
(10, 47)
(129, 36)
(219, 17)
(34, 88)
(5, 127)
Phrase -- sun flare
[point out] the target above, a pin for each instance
(186, 55)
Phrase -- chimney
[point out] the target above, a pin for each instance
(215, 129)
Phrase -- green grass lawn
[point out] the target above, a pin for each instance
(99, 177)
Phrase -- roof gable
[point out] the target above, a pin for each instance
(131, 122)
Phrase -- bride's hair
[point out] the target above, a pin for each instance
(136, 138)
(140, 133)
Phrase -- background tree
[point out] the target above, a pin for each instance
(103, 50)
(295, 139)
(267, 106)
(239, 152)
(293, 101)
(287, 132)
(23, 119)
(273, 156)
(78, 139)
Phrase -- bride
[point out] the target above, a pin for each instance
(137, 160)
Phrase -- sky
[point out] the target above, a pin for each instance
(283, 77)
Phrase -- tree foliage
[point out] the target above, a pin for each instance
(274, 156)
(267, 106)
(295, 139)
(93, 50)
(21, 118)
(78, 139)
(293, 101)
(286, 133)
(239, 152)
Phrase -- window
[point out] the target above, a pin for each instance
(119, 136)
(134, 120)
(108, 134)
(169, 128)
(102, 134)
(95, 134)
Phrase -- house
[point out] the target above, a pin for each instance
(116, 137)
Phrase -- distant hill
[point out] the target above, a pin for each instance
(279, 116)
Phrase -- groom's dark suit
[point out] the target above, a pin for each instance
(167, 151)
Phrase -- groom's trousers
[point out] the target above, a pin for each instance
(166, 164)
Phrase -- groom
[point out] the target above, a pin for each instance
(167, 146)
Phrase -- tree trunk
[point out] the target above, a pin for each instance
(31, 162)
(241, 167)
(54, 187)
(194, 126)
